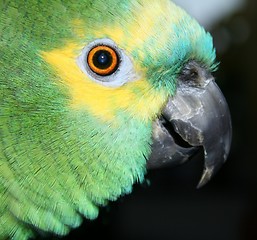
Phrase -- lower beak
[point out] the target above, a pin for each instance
(197, 117)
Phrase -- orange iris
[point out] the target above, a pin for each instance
(103, 60)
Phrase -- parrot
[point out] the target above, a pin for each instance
(93, 94)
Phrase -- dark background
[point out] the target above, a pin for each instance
(226, 209)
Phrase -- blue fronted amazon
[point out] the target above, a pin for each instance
(92, 94)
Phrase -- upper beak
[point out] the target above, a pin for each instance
(200, 116)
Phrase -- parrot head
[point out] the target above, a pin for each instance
(94, 93)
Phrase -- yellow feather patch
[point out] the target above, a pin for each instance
(138, 98)
(151, 20)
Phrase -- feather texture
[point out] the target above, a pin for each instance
(68, 145)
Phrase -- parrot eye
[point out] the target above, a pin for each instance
(105, 63)
(103, 60)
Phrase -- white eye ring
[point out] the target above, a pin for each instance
(123, 73)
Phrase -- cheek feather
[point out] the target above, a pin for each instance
(137, 99)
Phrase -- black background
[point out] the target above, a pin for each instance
(226, 209)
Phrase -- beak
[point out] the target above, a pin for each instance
(197, 117)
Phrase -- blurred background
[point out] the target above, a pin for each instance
(225, 209)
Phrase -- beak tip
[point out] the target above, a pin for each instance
(206, 176)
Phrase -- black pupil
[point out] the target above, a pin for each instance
(102, 59)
